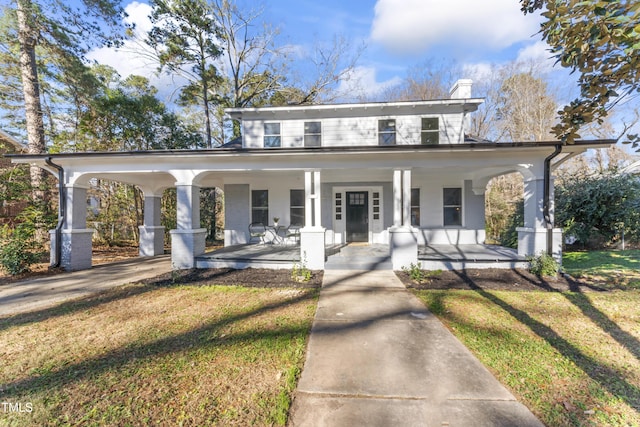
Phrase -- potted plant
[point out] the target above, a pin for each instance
(275, 221)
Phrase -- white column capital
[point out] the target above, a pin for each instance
(186, 184)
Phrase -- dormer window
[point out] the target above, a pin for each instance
(272, 135)
(430, 131)
(387, 132)
(312, 134)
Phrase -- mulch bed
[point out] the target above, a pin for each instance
(249, 277)
(498, 279)
(486, 279)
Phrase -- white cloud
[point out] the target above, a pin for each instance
(537, 53)
(133, 57)
(362, 83)
(414, 26)
(138, 15)
(535, 56)
(480, 71)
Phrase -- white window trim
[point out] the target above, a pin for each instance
(435, 131)
(304, 133)
(265, 134)
(395, 130)
(462, 204)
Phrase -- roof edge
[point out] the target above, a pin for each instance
(357, 105)
(597, 143)
(4, 136)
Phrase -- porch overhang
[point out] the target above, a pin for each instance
(470, 155)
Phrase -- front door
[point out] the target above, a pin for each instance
(357, 216)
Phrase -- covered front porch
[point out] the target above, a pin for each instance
(409, 199)
(357, 256)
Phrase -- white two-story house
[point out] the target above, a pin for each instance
(400, 175)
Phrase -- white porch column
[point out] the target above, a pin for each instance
(397, 198)
(75, 237)
(308, 200)
(151, 233)
(317, 201)
(406, 198)
(403, 239)
(532, 238)
(312, 252)
(188, 239)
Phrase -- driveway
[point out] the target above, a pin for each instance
(42, 292)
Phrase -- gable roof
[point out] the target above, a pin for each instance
(234, 143)
(8, 139)
(633, 168)
(362, 108)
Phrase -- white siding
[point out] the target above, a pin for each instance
(355, 131)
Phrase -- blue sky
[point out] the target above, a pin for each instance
(397, 34)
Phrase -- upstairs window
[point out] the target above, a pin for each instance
(452, 198)
(387, 132)
(271, 135)
(312, 134)
(430, 131)
(260, 206)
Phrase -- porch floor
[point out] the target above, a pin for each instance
(362, 257)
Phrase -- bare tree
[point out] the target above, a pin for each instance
(256, 66)
(427, 80)
(526, 110)
(483, 122)
(322, 70)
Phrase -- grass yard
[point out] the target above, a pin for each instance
(572, 358)
(149, 355)
(612, 269)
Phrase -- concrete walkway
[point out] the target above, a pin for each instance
(43, 292)
(377, 357)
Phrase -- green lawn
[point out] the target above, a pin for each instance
(212, 355)
(572, 358)
(144, 355)
(614, 269)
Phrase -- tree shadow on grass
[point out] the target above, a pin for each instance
(607, 377)
(623, 337)
(192, 277)
(193, 339)
(582, 301)
(75, 305)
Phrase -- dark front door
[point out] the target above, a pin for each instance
(357, 216)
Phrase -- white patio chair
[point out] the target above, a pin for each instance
(257, 230)
(292, 233)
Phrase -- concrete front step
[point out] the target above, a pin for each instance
(469, 264)
(358, 263)
(244, 263)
